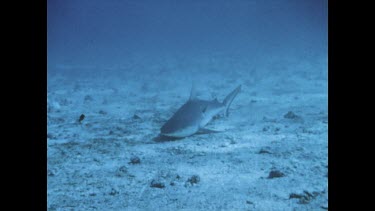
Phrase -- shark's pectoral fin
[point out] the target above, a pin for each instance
(193, 92)
(205, 131)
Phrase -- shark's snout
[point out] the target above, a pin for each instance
(165, 129)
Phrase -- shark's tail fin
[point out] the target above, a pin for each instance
(228, 100)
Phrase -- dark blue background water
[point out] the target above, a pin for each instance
(107, 32)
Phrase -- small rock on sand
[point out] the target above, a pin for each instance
(157, 184)
(192, 180)
(264, 151)
(113, 192)
(291, 115)
(275, 174)
(135, 160)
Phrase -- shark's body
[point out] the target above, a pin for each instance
(195, 114)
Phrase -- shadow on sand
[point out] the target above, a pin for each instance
(161, 138)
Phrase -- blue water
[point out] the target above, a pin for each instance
(102, 33)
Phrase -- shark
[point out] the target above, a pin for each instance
(195, 114)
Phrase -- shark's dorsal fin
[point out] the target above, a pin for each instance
(193, 92)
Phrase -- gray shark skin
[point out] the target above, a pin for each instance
(195, 114)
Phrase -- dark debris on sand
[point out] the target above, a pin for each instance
(275, 174)
(193, 180)
(157, 184)
(135, 160)
(305, 197)
(291, 115)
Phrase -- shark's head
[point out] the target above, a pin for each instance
(171, 130)
(184, 122)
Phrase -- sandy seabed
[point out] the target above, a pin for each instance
(271, 153)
